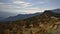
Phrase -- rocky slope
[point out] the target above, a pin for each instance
(46, 23)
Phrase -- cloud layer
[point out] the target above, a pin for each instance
(28, 6)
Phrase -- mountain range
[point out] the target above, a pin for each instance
(22, 16)
(5, 14)
(47, 22)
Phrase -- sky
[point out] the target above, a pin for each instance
(28, 6)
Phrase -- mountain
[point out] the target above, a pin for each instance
(45, 23)
(47, 14)
(56, 10)
(5, 14)
(20, 16)
(52, 13)
(24, 16)
(1, 18)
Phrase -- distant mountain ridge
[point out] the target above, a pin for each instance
(20, 16)
(46, 14)
(55, 12)
(1, 18)
(5, 14)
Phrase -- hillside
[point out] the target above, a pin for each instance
(24, 16)
(19, 17)
(46, 23)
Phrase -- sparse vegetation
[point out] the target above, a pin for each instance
(41, 24)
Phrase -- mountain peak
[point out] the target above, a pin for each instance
(52, 11)
(56, 11)
(47, 11)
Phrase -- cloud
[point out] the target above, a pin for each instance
(18, 10)
(44, 1)
(33, 10)
(22, 3)
(19, 6)
(47, 0)
(12, 8)
(27, 6)
(1, 3)
(9, 8)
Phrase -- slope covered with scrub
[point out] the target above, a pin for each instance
(46, 23)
